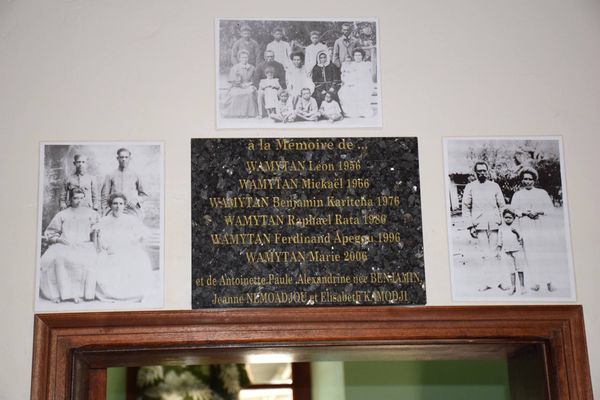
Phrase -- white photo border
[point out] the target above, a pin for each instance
(529, 298)
(159, 299)
(224, 123)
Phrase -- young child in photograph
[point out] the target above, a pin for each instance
(284, 110)
(330, 109)
(510, 242)
(306, 107)
(270, 87)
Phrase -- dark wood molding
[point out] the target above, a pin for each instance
(70, 348)
(97, 384)
(131, 384)
(301, 381)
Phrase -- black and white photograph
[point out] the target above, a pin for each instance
(508, 225)
(100, 224)
(298, 73)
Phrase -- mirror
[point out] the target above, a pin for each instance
(333, 380)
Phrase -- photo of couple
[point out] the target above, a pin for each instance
(302, 73)
(100, 226)
(507, 219)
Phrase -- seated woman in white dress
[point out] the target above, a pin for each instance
(124, 271)
(357, 86)
(67, 265)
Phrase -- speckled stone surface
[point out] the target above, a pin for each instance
(306, 222)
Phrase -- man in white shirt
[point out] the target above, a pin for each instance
(125, 181)
(482, 206)
(311, 51)
(280, 48)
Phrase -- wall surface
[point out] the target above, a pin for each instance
(144, 70)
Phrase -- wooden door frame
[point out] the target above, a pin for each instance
(72, 350)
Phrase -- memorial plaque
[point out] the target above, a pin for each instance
(306, 222)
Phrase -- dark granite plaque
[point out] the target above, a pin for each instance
(312, 222)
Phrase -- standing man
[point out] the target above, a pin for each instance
(280, 48)
(312, 50)
(80, 180)
(127, 182)
(343, 46)
(248, 44)
(532, 206)
(482, 206)
(259, 73)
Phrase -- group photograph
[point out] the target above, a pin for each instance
(315, 73)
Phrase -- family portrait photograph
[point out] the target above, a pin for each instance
(508, 225)
(100, 224)
(297, 73)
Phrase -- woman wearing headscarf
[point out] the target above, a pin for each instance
(241, 99)
(326, 77)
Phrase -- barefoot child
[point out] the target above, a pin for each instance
(284, 111)
(306, 107)
(330, 109)
(510, 242)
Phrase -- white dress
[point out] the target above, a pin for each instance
(539, 238)
(67, 271)
(271, 88)
(124, 270)
(532, 200)
(297, 79)
(357, 87)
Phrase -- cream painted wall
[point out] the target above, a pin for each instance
(144, 70)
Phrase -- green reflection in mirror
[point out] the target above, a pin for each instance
(390, 380)
(426, 380)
